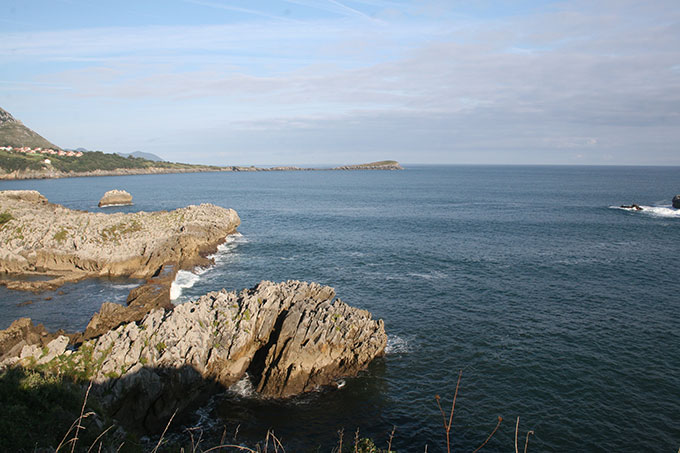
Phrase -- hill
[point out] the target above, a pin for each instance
(13, 133)
(143, 155)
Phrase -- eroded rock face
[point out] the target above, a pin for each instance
(288, 337)
(676, 202)
(45, 238)
(115, 198)
(21, 333)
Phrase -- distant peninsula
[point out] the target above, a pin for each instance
(24, 154)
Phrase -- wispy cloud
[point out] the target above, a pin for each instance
(227, 7)
(574, 78)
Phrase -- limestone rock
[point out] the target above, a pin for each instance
(115, 198)
(48, 239)
(289, 338)
(676, 202)
(22, 333)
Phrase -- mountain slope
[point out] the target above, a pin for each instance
(13, 133)
(143, 155)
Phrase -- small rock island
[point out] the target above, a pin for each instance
(115, 198)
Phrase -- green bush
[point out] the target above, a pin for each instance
(5, 217)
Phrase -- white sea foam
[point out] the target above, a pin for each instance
(183, 279)
(656, 211)
(397, 345)
(125, 286)
(187, 279)
(224, 250)
(243, 387)
(434, 275)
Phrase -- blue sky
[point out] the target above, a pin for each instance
(338, 81)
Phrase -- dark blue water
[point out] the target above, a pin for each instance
(557, 307)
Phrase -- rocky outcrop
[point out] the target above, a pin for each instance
(48, 239)
(115, 198)
(676, 202)
(23, 333)
(287, 337)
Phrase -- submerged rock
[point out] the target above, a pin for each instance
(42, 238)
(115, 198)
(676, 202)
(287, 337)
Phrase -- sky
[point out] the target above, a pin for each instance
(277, 82)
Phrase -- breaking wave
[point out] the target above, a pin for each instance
(183, 280)
(187, 279)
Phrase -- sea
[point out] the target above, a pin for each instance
(555, 306)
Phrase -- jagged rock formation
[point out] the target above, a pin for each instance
(288, 337)
(23, 333)
(115, 198)
(14, 133)
(676, 202)
(48, 239)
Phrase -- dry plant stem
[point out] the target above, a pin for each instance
(356, 441)
(447, 426)
(277, 442)
(341, 432)
(516, 431)
(236, 431)
(238, 447)
(526, 441)
(389, 444)
(120, 446)
(224, 434)
(164, 431)
(80, 419)
(99, 437)
(500, 419)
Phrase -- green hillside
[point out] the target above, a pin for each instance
(13, 133)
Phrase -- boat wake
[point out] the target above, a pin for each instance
(655, 211)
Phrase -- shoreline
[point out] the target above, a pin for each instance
(53, 174)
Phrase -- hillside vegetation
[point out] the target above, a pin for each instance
(89, 161)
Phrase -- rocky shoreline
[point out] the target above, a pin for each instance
(286, 338)
(150, 360)
(55, 174)
(46, 239)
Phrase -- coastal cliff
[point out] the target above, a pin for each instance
(286, 338)
(45, 239)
